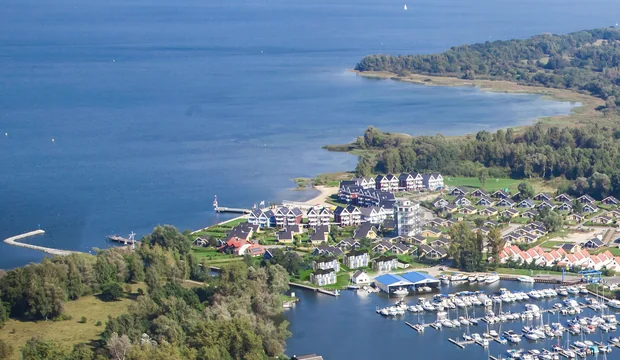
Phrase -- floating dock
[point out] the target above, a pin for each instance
(224, 209)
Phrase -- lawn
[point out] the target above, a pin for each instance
(342, 281)
(551, 244)
(491, 185)
(67, 332)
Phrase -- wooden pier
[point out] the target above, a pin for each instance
(224, 209)
(14, 240)
(319, 290)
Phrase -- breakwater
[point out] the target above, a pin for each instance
(14, 240)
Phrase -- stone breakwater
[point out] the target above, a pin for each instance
(14, 240)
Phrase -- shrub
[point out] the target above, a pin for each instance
(83, 320)
(98, 323)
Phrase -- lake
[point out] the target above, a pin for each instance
(121, 115)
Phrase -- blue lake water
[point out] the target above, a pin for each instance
(155, 106)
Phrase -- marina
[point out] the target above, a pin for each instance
(539, 323)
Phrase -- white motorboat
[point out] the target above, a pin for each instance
(458, 278)
(572, 290)
(472, 278)
(526, 279)
(614, 304)
(491, 279)
(563, 292)
(401, 291)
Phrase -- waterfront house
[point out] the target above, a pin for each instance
(440, 203)
(419, 182)
(529, 214)
(322, 277)
(543, 196)
(479, 193)
(365, 230)
(593, 243)
(327, 250)
(366, 182)
(462, 201)
(288, 216)
(406, 182)
(382, 183)
(526, 204)
(326, 262)
(267, 219)
(589, 208)
(384, 263)
(431, 232)
(484, 201)
(318, 217)
(360, 277)
(546, 205)
(242, 231)
(254, 217)
(505, 203)
(432, 181)
(372, 214)
(500, 194)
(610, 200)
(200, 241)
(565, 206)
(356, 259)
(320, 235)
(254, 250)
(565, 198)
(490, 211)
(392, 182)
(459, 191)
(509, 213)
(348, 216)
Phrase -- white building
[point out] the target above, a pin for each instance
(360, 277)
(407, 218)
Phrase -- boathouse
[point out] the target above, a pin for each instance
(409, 280)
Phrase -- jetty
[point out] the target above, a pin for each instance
(319, 290)
(224, 209)
(14, 240)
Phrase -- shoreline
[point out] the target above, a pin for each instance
(582, 114)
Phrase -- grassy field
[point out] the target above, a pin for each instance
(551, 244)
(614, 250)
(67, 332)
(342, 281)
(491, 184)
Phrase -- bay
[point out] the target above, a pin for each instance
(155, 106)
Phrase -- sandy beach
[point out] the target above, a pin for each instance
(324, 193)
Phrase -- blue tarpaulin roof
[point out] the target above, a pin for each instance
(389, 279)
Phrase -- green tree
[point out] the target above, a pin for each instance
(364, 166)
(111, 291)
(81, 352)
(169, 237)
(526, 190)
(495, 245)
(483, 175)
(40, 349)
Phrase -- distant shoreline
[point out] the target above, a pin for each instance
(584, 113)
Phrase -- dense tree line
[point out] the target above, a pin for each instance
(586, 61)
(233, 316)
(587, 156)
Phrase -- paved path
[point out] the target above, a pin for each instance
(14, 240)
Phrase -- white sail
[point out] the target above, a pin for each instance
(405, 6)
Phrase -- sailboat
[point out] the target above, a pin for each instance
(405, 6)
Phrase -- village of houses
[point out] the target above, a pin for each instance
(375, 226)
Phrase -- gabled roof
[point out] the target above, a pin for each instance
(610, 199)
(364, 230)
(508, 201)
(564, 198)
(479, 192)
(357, 274)
(543, 196)
(402, 247)
(501, 193)
(357, 253)
(526, 202)
(329, 250)
(586, 198)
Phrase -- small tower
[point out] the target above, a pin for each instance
(132, 238)
(215, 203)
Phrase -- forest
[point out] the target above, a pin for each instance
(235, 315)
(585, 61)
(587, 156)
